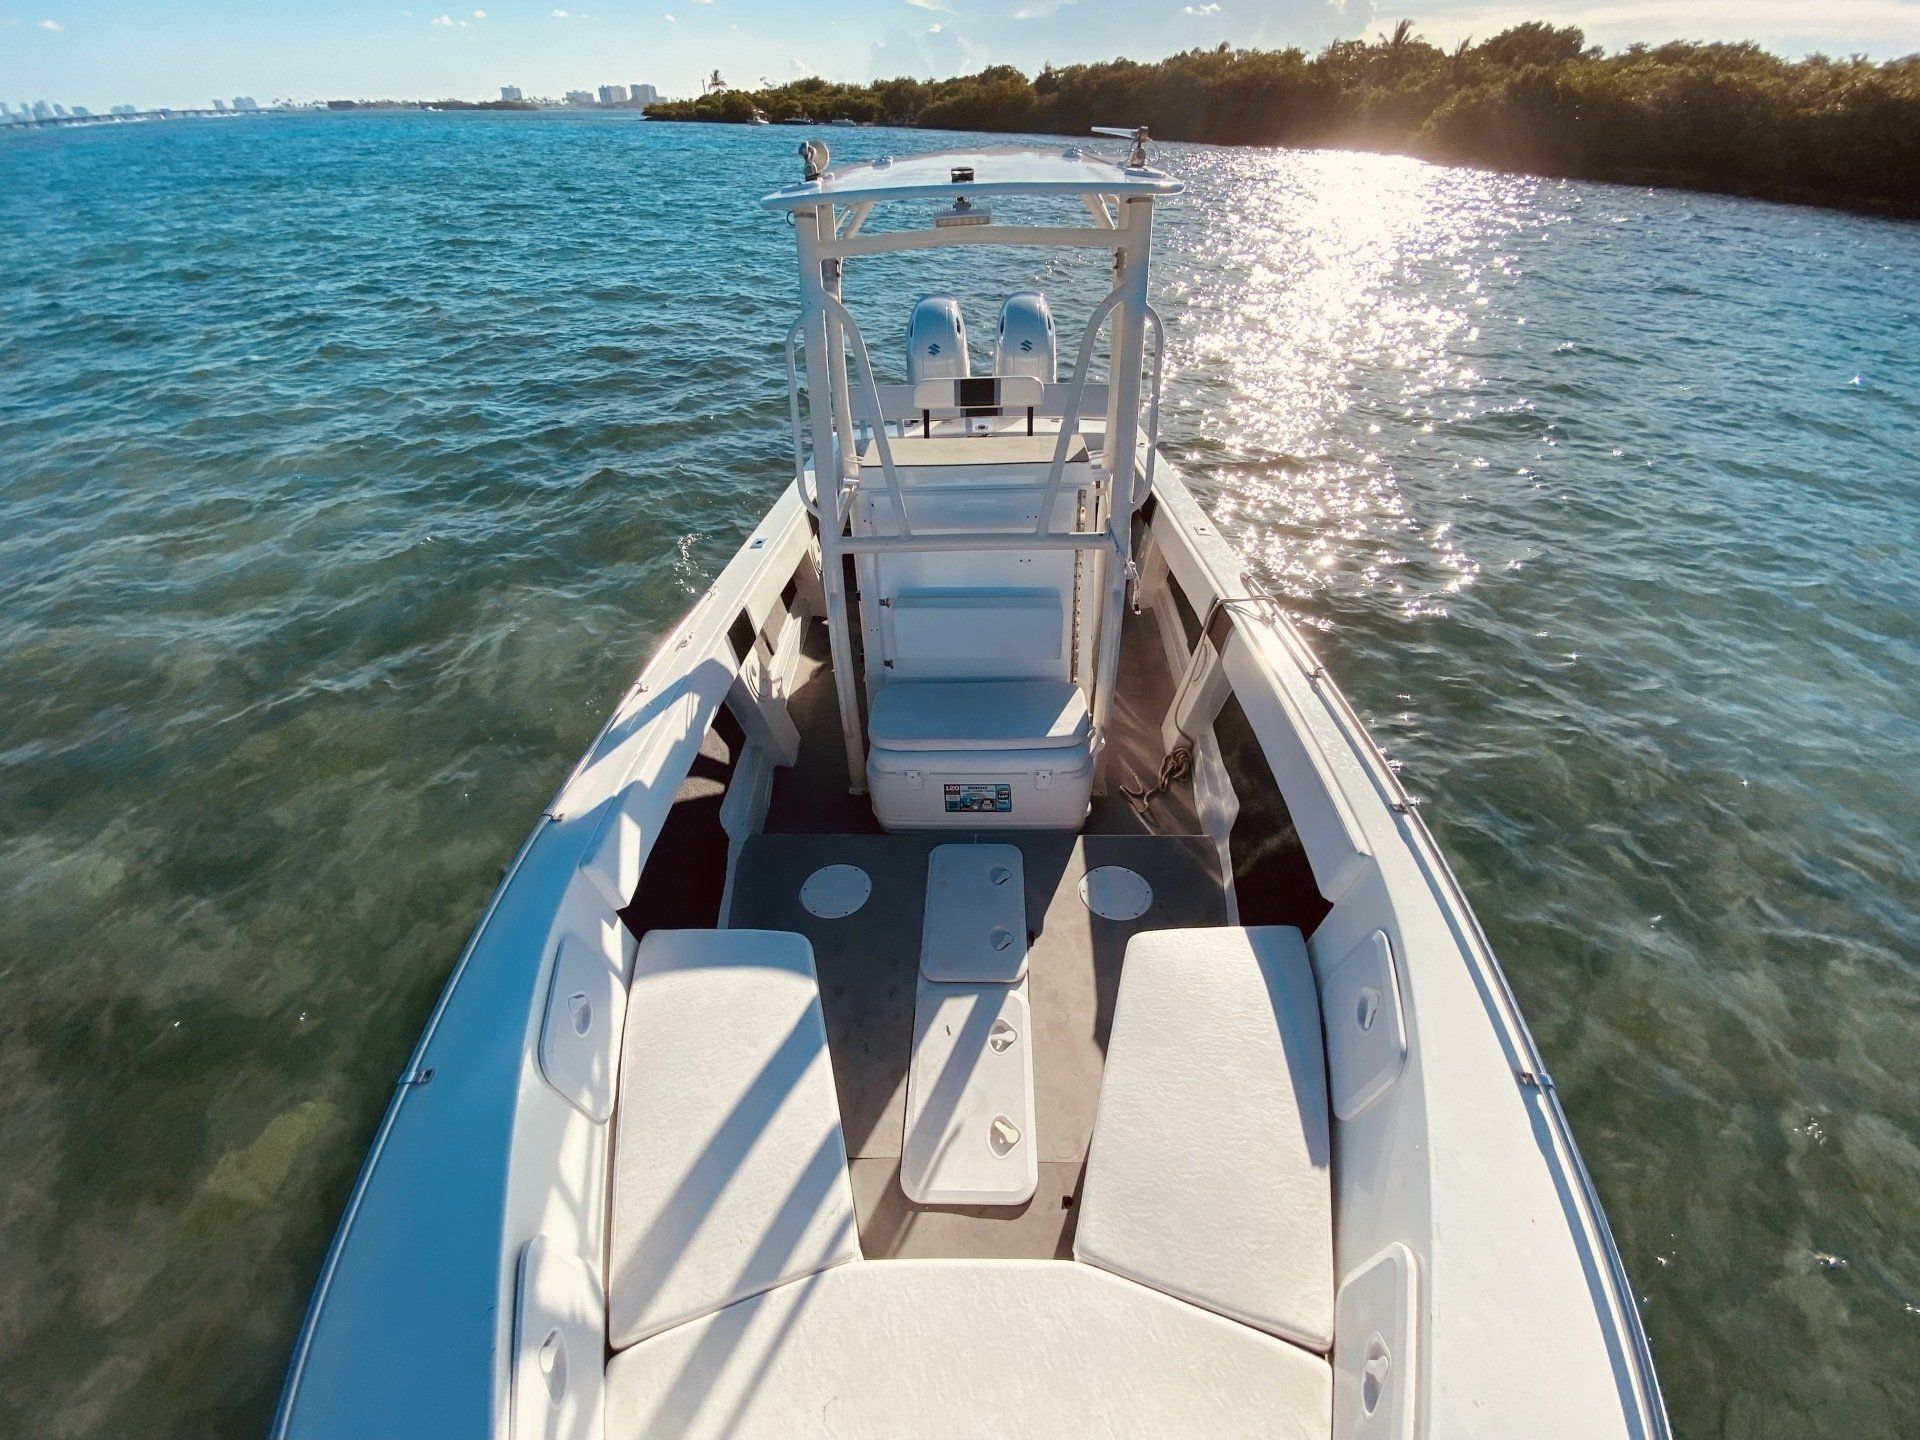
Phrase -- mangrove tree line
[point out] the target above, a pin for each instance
(1533, 98)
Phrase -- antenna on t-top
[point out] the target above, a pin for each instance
(1137, 160)
(814, 156)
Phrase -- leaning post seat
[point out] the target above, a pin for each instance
(980, 755)
(981, 397)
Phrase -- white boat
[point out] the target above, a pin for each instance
(983, 980)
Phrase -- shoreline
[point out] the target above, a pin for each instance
(1534, 99)
(1872, 207)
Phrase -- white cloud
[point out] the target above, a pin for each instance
(933, 5)
(479, 14)
(50, 25)
(935, 29)
(559, 14)
(1201, 9)
(669, 19)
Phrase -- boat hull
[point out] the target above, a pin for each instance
(1456, 1175)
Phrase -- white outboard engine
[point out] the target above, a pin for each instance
(1025, 344)
(937, 341)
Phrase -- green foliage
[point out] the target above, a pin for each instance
(1534, 97)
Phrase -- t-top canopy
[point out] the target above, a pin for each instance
(1004, 170)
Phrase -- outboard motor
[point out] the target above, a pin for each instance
(1025, 344)
(937, 341)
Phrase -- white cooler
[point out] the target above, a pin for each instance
(980, 755)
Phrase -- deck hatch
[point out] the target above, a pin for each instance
(976, 917)
(1366, 1032)
(970, 1111)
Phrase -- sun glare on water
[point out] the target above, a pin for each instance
(1354, 277)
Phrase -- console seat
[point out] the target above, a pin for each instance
(980, 754)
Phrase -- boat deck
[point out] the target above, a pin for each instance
(868, 962)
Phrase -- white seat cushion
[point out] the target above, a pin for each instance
(980, 715)
(729, 1167)
(1209, 1174)
(968, 634)
(936, 1348)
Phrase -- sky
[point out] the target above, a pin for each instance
(99, 53)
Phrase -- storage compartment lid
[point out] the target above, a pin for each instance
(980, 715)
(975, 928)
(969, 1135)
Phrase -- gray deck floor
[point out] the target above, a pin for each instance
(868, 963)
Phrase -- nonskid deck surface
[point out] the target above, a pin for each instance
(868, 963)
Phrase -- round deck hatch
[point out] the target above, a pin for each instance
(1114, 892)
(835, 891)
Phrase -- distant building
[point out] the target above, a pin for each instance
(244, 102)
(42, 110)
(123, 110)
(579, 97)
(221, 106)
(59, 112)
(613, 94)
(80, 112)
(644, 95)
(511, 92)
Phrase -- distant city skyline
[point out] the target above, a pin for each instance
(44, 111)
(115, 52)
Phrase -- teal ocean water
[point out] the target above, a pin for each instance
(350, 467)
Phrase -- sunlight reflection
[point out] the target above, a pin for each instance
(1331, 336)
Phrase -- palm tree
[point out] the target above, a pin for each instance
(1396, 46)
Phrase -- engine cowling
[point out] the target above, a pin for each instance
(1025, 344)
(937, 341)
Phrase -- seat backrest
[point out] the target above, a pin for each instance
(978, 398)
(976, 614)
(976, 634)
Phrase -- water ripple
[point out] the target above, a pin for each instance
(350, 466)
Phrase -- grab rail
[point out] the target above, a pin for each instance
(1070, 407)
(1070, 423)
(871, 394)
(1153, 404)
(812, 502)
